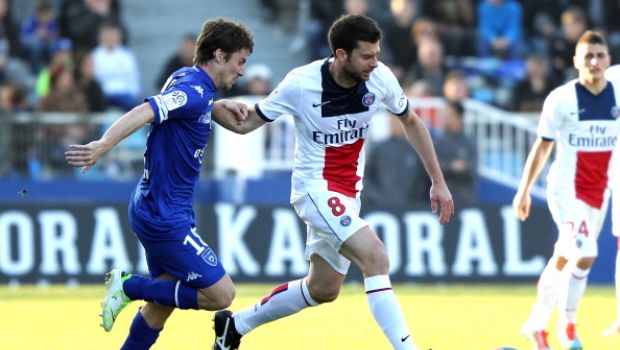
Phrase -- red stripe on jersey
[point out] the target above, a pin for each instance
(281, 288)
(340, 169)
(591, 177)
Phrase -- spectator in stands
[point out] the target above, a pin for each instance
(13, 98)
(322, 14)
(13, 70)
(455, 22)
(574, 24)
(85, 79)
(455, 88)
(386, 163)
(38, 33)
(540, 24)
(257, 80)
(529, 94)
(9, 32)
(429, 66)
(458, 156)
(64, 96)
(80, 20)
(499, 24)
(116, 68)
(400, 47)
(183, 57)
(62, 55)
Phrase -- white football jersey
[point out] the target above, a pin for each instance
(331, 123)
(585, 127)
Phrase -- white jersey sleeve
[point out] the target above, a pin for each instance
(394, 98)
(548, 123)
(283, 100)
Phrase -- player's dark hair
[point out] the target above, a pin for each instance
(348, 30)
(220, 33)
(592, 37)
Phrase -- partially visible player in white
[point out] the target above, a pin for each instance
(613, 73)
(332, 102)
(582, 117)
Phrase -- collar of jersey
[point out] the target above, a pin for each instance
(205, 77)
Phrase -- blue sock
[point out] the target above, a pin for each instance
(162, 292)
(141, 336)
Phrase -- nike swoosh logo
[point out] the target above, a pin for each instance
(320, 104)
(403, 339)
(221, 343)
(579, 111)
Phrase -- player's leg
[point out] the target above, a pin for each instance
(320, 286)
(553, 279)
(614, 329)
(147, 324)
(550, 285)
(583, 249)
(200, 281)
(366, 251)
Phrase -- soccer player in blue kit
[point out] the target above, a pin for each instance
(185, 273)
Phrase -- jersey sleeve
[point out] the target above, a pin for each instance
(180, 101)
(394, 98)
(547, 125)
(283, 100)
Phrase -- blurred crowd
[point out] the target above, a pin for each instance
(74, 56)
(510, 53)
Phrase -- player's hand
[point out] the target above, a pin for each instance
(441, 200)
(521, 205)
(85, 156)
(239, 110)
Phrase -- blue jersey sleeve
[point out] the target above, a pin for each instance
(180, 101)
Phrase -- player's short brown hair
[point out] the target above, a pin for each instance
(349, 29)
(229, 36)
(592, 37)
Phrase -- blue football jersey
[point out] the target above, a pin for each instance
(174, 151)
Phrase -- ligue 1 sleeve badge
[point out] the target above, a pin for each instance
(368, 99)
(615, 111)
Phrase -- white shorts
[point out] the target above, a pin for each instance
(579, 225)
(331, 219)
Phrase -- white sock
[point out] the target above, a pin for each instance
(618, 278)
(569, 302)
(548, 291)
(285, 300)
(387, 313)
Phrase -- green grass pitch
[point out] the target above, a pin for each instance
(450, 317)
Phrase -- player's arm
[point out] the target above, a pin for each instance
(236, 116)
(420, 139)
(86, 155)
(536, 159)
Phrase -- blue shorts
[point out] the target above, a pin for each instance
(182, 254)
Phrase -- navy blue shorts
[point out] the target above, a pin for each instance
(184, 255)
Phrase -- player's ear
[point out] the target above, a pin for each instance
(341, 54)
(218, 56)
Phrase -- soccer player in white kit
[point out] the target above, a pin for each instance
(582, 116)
(332, 102)
(613, 73)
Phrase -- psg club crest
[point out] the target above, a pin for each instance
(368, 99)
(615, 112)
(345, 220)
